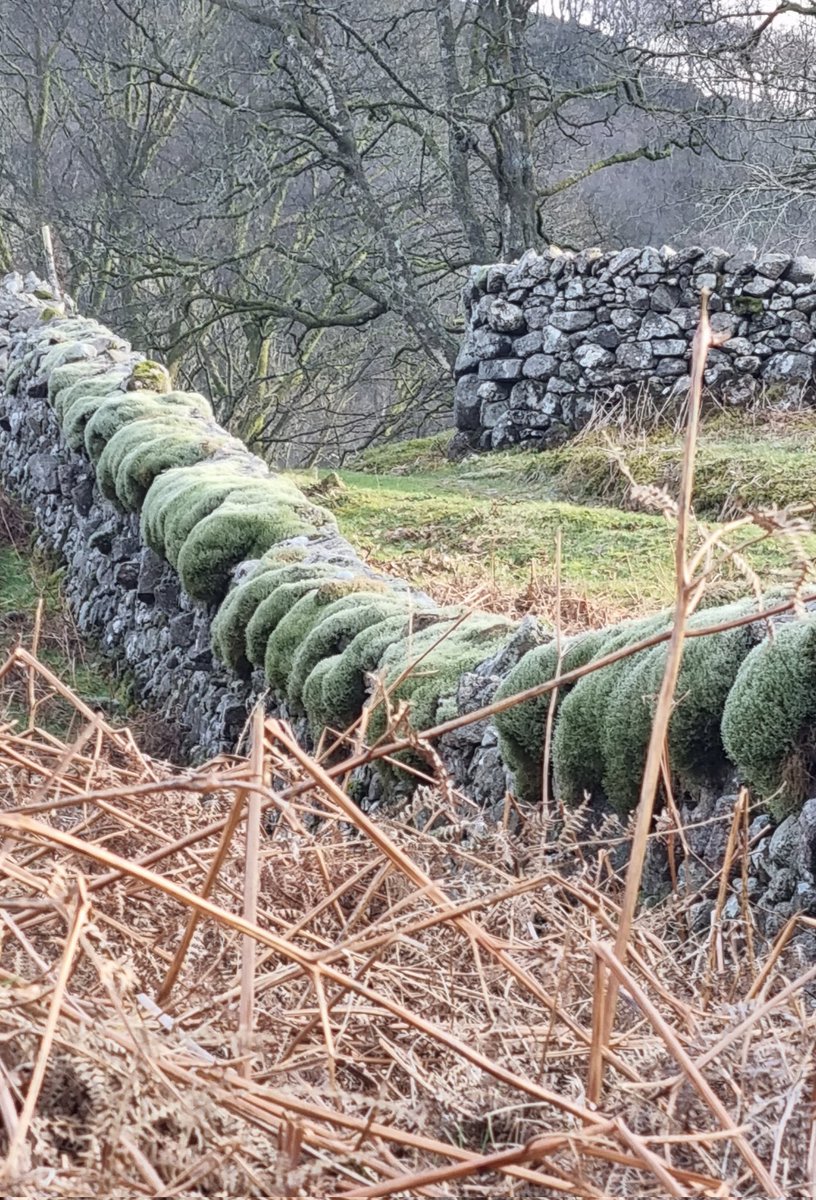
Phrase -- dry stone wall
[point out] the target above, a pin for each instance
(555, 335)
(216, 583)
(70, 393)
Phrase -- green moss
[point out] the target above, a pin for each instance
(707, 673)
(12, 378)
(173, 489)
(298, 580)
(708, 670)
(522, 727)
(125, 408)
(105, 383)
(50, 314)
(747, 306)
(81, 408)
(417, 454)
(149, 376)
(319, 716)
(230, 534)
(295, 625)
(769, 716)
(209, 493)
(335, 692)
(578, 752)
(290, 631)
(229, 627)
(339, 624)
(626, 725)
(169, 450)
(135, 437)
(445, 660)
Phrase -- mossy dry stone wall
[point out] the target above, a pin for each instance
(217, 583)
(212, 580)
(555, 335)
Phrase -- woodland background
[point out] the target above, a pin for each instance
(283, 199)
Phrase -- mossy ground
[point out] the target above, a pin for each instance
(26, 576)
(484, 530)
(759, 459)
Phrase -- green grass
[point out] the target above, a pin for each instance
(489, 524)
(456, 541)
(25, 577)
(752, 460)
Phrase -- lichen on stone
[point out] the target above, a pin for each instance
(149, 376)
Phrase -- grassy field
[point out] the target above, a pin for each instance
(485, 530)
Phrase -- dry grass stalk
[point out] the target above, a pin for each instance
(257, 766)
(420, 1009)
(689, 588)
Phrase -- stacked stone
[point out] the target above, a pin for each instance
(130, 601)
(555, 335)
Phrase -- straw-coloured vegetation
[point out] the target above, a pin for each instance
(386, 1010)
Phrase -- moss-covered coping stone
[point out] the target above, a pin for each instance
(220, 582)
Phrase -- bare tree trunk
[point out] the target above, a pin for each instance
(460, 137)
(500, 25)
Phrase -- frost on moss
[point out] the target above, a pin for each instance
(125, 408)
(521, 728)
(76, 349)
(578, 755)
(229, 627)
(81, 403)
(12, 378)
(71, 373)
(444, 659)
(166, 451)
(770, 715)
(141, 450)
(338, 625)
(170, 492)
(232, 533)
(197, 502)
(103, 383)
(335, 691)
